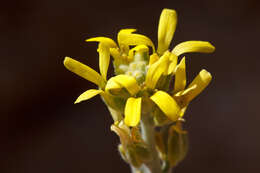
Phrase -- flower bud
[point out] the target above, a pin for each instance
(161, 145)
(138, 153)
(132, 148)
(177, 144)
(132, 157)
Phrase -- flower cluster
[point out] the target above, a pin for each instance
(147, 81)
(140, 77)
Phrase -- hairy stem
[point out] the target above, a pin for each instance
(148, 135)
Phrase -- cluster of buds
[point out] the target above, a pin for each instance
(148, 90)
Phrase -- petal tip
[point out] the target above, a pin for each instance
(169, 11)
(130, 124)
(206, 75)
(89, 40)
(67, 61)
(76, 102)
(211, 47)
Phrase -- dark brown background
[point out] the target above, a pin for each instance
(42, 131)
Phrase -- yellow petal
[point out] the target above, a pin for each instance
(121, 34)
(199, 84)
(83, 71)
(156, 70)
(133, 111)
(185, 92)
(88, 95)
(105, 40)
(201, 81)
(104, 53)
(153, 58)
(182, 98)
(139, 49)
(127, 38)
(104, 59)
(125, 81)
(120, 37)
(167, 104)
(193, 46)
(173, 63)
(115, 53)
(166, 29)
(180, 76)
(112, 86)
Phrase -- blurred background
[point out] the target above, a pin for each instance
(42, 131)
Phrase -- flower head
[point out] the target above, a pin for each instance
(143, 74)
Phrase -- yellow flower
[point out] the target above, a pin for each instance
(142, 80)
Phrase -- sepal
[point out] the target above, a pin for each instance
(159, 118)
(115, 102)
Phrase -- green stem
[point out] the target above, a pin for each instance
(148, 135)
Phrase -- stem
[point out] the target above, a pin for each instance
(148, 135)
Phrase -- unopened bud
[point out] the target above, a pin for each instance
(137, 154)
(177, 145)
(161, 145)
